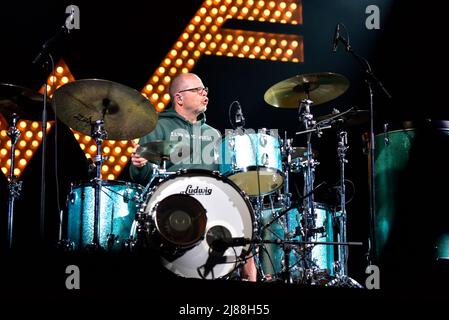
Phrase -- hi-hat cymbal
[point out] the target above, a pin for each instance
(127, 114)
(301, 152)
(162, 150)
(24, 102)
(318, 87)
(349, 118)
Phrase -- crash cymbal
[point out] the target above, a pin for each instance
(161, 150)
(351, 117)
(318, 87)
(301, 152)
(127, 114)
(24, 102)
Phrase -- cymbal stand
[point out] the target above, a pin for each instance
(287, 150)
(341, 266)
(308, 219)
(342, 251)
(99, 134)
(14, 186)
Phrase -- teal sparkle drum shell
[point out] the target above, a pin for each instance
(118, 207)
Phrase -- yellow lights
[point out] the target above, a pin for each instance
(204, 35)
(60, 70)
(26, 145)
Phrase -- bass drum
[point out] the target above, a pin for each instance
(191, 209)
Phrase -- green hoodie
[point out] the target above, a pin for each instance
(198, 140)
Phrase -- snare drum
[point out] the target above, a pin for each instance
(190, 210)
(253, 161)
(118, 207)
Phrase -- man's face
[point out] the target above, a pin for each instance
(194, 95)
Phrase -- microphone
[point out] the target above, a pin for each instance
(239, 118)
(68, 25)
(336, 38)
(221, 245)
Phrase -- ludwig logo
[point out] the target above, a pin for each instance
(197, 191)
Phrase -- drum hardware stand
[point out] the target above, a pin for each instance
(306, 117)
(99, 134)
(341, 266)
(14, 186)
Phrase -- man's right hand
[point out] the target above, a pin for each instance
(137, 160)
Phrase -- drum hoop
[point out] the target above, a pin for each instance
(107, 183)
(217, 175)
(261, 168)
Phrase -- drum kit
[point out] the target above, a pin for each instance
(206, 224)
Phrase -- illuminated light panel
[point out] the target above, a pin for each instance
(268, 48)
(215, 40)
(27, 144)
(203, 35)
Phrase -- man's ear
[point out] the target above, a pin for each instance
(178, 98)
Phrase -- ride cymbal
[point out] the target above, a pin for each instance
(127, 114)
(318, 87)
(24, 102)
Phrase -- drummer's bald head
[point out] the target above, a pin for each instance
(181, 82)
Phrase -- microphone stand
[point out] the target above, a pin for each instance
(14, 186)
(370, 78)
(44, 57)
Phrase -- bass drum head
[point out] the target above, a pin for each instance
(229, 214)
